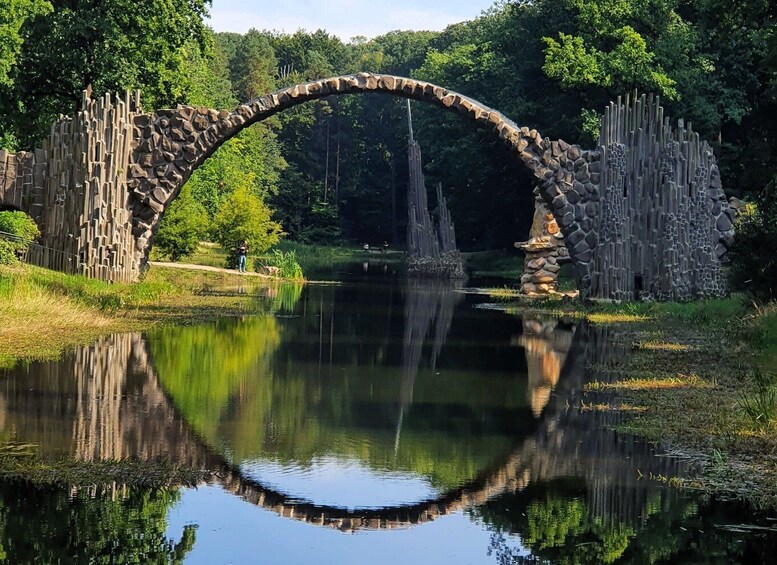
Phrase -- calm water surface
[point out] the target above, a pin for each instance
(373, 421)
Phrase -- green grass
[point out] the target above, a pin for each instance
(43, 312)
(209, 254)
(15, 465)
(98, 294)
(707, 313)
(761, 331)
(314, 258)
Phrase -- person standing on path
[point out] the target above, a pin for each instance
(242, 252)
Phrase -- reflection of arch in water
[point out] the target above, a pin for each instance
(546, 344)
(123, 412)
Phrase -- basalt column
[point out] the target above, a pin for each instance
(431, 249)
(665, 223)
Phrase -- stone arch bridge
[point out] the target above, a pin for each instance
(642, 214)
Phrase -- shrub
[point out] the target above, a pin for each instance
(754, 255)
(183, 225)
(7, 252)
(288, 266)
(24, 229)
(244, 217)
(19, 224)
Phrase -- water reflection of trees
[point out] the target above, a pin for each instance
(292, 389)
(48, 524)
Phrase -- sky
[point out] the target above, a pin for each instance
(344, 18)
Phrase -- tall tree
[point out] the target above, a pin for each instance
(13, 15)
(108, 45)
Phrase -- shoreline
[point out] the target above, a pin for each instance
(692, 384)
(686, 385)
(44, 313)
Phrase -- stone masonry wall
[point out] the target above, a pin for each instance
(643, 215)
(75, 188)
(171, 144)
(665, 223)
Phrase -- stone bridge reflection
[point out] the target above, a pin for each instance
(105, 402)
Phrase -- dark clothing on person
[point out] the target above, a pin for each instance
(242, 251)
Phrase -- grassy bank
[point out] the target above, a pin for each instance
(495, 264)
(44, 312)
(133, 473)
(312, 258)
(701, 381)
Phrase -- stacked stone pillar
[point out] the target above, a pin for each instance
(543, 252)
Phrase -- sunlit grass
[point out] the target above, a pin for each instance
(662, 346)
(504, 293)
(614, 317)
(43, 312)
(650, 383)
(610, 407)
(33, 317)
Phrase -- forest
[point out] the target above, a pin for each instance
(335, 170)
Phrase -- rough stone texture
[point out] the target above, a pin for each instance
(75, 188)
(644, 213)
(171, 144)
(22, 183)
(431, 250)
(665, 223)
(543, 252)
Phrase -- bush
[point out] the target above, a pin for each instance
(244, 217)
(7, 252)
(20, 225)
(754, 255)
(182, 227)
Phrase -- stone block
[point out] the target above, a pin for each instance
(575, 237)
(160, 195)
(136, 171)
(723, 223)
(558, 202)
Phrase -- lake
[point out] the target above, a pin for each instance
(371, 420)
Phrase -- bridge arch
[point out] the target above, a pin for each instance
(171, 144)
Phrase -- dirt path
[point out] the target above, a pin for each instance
(191, 267)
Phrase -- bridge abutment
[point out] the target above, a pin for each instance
(75, 188)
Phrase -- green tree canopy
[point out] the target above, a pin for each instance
(13, 14)
(184, 224)
(244, 217)
(108, 45)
